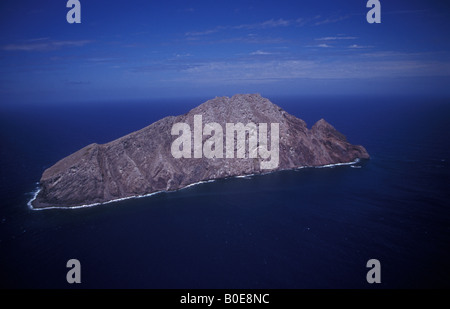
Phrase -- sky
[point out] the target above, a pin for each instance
(146, 49)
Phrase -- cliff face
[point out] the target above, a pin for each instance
(142, 162)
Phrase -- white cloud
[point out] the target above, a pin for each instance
(257, 71)
(275, 23)
(333, 38)
(260, 52)
(44, 45)
(205, 32)
(356, 46)
(331, 20)
(183, 55)
(266, 24)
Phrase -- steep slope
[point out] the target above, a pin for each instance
(142, 162)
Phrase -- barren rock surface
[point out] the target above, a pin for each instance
(141, 162)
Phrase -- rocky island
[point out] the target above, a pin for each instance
(143, 162)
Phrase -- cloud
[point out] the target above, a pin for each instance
(205, 32)
(44, 45)
(268, 24)
(284, 68)
(331, 20)
(323, 45)
(333, 38)
(395, 55)
(301, 21)
(38, 39)
(274, 23)
(183, 55)
(165, 66)
(356, 46)
(248, 39)
(260, 52)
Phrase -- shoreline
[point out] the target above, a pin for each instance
(35, 193)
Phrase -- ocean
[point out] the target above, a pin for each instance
(308, 228)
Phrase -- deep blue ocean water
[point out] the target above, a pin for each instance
(312, 228)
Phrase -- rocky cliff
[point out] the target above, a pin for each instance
(142, 162)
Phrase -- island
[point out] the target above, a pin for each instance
(223, 137)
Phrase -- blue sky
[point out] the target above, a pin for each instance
(127, 50)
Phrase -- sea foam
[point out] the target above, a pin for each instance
(36, 192)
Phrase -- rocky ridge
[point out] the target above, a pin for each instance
(141, 163)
